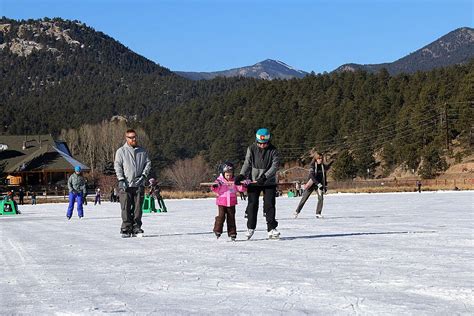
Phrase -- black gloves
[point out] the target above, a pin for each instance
(141, 180)
(238, 180)
(261, 180)
(215, 185)
(122, 185)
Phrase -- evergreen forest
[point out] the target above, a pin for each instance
(365, 119)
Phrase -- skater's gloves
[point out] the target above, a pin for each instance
(122, 185)
(246, 182)
(238, 180)
(141, 180)
(261, 180)
(320, 186)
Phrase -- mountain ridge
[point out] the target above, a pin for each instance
(268, 69)
(455, 47)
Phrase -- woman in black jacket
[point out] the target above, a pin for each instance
(317, 181)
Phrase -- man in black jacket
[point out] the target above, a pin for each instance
(260, 165)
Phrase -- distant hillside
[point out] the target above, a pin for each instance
(456, 47)
(58, 73)
(69, 41)
(268, 69)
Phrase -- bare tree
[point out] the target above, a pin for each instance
(96, 144)
(189, 173)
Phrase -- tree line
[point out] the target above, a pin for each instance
(366, 121)
(373, 120)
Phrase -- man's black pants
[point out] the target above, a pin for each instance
(269, 199)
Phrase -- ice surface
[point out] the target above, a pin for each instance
(372, 254)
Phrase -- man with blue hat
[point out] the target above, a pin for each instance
(77, 190)
(261, 164)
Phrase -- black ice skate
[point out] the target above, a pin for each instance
(137, 232)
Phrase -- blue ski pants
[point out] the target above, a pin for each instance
(73, 197)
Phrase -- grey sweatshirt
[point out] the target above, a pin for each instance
(131, 163)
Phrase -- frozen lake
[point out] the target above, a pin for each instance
(372, 254)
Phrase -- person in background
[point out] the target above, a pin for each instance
(77, 190)
(297, 188)
(33, 198)
(155, 192)
(21, 196)
(418, 186)
(317, 181)
(97, 196)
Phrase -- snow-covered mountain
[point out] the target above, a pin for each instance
(456, 47)
(268, 69)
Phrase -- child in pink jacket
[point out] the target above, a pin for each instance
(226, 200)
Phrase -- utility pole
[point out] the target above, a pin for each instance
(447, 127)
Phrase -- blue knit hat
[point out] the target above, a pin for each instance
(262, 135)
(77, 168)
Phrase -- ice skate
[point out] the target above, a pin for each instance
(295, 214)
(126, 235)
(137, 232)
(217, 235)
(319, 216)
(274, 234)
(233, 238)
(249, 233)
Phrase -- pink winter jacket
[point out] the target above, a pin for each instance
(227, 191)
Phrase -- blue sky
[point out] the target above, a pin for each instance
(209, 35)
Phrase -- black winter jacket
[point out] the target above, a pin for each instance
(318, 173)
(260, 161)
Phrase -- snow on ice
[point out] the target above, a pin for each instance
(372, 254)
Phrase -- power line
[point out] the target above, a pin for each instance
(386, 139)
(368, 136)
